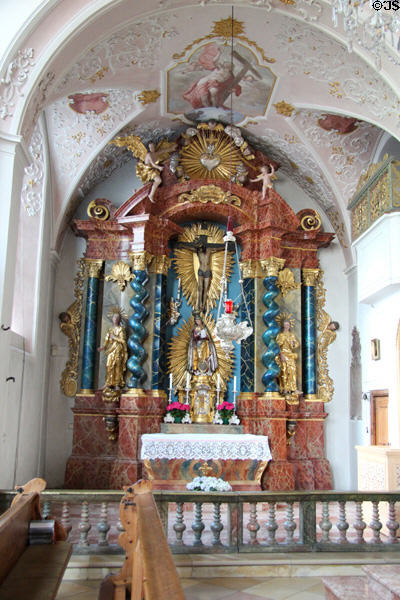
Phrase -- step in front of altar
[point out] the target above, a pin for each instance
(171, 460)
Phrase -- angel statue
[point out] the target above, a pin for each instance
(115, 348)
(147, 168)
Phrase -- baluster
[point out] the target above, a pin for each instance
(375, 524)
(359, 524)
(46, 509)
(179, 525)
(271, 525)
(392, 524)
(342, 524)
(66, 523)
(253, 525)
(84, 525)
(289, 524)
(216, 525)
(325, 524)
(198, 524)
(103, 527)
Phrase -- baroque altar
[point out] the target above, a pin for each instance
(158, 285)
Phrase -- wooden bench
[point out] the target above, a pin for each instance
(29, 572)
(149, 571)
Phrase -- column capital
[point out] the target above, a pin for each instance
(93, 267)
(140, 260)
(160, 265)
(310, 276)
(272, 265)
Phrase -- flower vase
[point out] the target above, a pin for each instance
(225, 420)
(178, 419)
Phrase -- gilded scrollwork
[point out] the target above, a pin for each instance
(121, 274)
(70, 324)
(210, 193)
(327, 334)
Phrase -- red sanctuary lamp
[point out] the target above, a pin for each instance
(228, 306)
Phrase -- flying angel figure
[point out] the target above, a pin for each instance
(147, 168)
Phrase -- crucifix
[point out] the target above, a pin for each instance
(204, 251)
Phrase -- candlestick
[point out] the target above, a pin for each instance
(218, 382)
(234, 384)
(170, 381)
(188, 381)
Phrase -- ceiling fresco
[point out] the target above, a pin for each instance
(276, 70)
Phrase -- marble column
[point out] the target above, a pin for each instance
(159, 266)
(309, 336)
(247, 346)
(271, 266)
(93, 269)
(140, 260)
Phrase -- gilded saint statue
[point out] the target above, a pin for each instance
(202, 356)
(287, 358)
(116, 351)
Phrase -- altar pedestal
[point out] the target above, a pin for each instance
(172, 460)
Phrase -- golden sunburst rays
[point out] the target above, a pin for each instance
(211, 155)
(178, 355)
(186, 264)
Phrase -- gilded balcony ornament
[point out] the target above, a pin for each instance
(210, 193)
(286, 282)
(121, 274)
(70, 325)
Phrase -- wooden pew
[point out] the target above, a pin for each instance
(29, 572)
(149, 570)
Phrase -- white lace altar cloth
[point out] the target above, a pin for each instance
(189, 446)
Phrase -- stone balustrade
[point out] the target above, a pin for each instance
(199, 522)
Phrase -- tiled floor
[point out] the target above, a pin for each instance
(231, 588)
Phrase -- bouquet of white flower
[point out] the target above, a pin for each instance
(209, 484)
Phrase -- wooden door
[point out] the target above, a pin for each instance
(379, 417)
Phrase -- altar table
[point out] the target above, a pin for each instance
(172, 460)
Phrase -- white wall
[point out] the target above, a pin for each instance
(378, 256)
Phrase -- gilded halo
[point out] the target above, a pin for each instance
(178, 355)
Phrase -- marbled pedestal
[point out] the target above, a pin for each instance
(306, 449)
(96, 461)
(299, 464)
(264, 414)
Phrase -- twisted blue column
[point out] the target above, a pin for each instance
(309, 334)
(269, 378)
(140, 313)
(90, 327)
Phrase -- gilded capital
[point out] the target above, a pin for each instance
(160, 265)
(272, 265)
(310, 276)
(249, 268)
(140, 260)
(93, 267)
